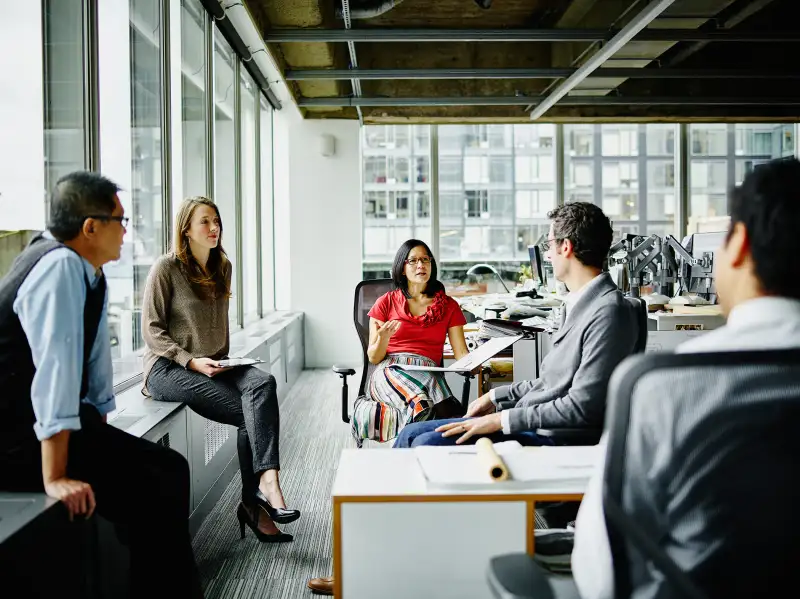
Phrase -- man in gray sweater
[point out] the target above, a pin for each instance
(600, 329)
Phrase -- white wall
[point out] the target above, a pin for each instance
(318, 232)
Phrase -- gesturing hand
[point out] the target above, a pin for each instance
(75, 494)
(205, 366)
(486, 425)
(388, 328)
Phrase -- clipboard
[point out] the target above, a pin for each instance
(472, 360)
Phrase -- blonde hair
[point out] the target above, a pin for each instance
(210, 283)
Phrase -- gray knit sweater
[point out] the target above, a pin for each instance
(176, 323)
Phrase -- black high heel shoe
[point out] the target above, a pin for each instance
(244, 518)
(279, 515)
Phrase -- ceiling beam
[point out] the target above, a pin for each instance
(527, 100)
(520, 35)
(637, 24)
(535, 73)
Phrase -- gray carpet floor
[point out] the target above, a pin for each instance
(312, 437)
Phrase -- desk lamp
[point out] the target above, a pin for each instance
(484, 269)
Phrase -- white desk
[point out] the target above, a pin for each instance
(395, 538)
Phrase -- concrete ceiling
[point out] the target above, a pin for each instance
(705, 70)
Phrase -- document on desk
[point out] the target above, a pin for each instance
(458, 468)
(472, 360)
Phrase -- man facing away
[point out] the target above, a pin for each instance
(57, 379)
(758, 285)
(600, 330)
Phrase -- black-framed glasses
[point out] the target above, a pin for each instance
(413, 261)
(123, 220)
(546, 244)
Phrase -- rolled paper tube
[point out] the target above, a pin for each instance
(489, 460)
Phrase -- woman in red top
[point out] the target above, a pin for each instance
(408, 326)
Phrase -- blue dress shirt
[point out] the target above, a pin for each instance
(49, 305)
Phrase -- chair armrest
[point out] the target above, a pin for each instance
(343, 370)
(572, 436)
(518, 576)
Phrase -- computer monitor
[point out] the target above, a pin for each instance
(535, 254)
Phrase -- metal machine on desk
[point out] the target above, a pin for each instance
(681, 277)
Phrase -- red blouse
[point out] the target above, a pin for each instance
(423, 335)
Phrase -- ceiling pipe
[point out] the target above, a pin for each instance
(367, 9)
(343, 101)
(626, 34)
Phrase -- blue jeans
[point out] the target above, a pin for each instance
(424, 433)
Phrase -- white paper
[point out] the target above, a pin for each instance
(473, 359)
(458, 467)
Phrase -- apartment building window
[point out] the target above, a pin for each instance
(477, 203)
(620, 140)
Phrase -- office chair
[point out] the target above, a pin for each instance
(699, 492)
(366, 294)
(591, 435)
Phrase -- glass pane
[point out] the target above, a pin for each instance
(63, 89)
(396, 191)
(193, 98)
(249, 101)
(267, 237)
(224, 153)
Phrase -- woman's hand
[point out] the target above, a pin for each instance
(205, 366)
(76, 495)
(389, 328)
(481, 406)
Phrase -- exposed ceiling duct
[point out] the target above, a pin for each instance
(368, 9)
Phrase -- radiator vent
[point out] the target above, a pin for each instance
(164, 441)
(216, 435)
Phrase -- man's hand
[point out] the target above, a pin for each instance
(206, 366)
(486, 425)
(75, 494)
(388, 328)
(481, 406)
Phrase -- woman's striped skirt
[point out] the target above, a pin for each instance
(395, 397)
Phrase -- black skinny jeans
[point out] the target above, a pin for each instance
(244, 397)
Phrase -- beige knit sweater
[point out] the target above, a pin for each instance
(176, 323)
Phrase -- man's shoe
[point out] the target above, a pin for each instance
(321, 586)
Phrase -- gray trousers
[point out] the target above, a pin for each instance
(244, 397)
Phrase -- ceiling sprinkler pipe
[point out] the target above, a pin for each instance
(368, 9)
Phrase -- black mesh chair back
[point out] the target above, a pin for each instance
(641, 312)
(701, 490)
(367, 293)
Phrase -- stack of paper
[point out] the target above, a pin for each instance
(458, 468)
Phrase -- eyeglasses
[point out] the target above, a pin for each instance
(547, 244)
(415, 261)
(123, 220)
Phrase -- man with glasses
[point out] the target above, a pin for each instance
(57, 380)
(599, 330)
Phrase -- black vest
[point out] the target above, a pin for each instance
(16, 363)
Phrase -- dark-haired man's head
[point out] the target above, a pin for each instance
(579, 239)
(759, 255)
(86, 214)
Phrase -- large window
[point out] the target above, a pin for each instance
(248, 108)
(64, 126)
(397, 188)
(193, 99)
(226, 87)
(267, 228)
(721, 156)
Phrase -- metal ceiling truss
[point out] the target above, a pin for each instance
(523, 35)
(534, 100)
(536, 73)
